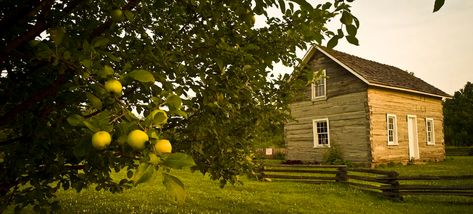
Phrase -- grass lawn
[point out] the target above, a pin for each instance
(453, 165)
(205, 196)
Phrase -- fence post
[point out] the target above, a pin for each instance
(341, 175)
(391, 190)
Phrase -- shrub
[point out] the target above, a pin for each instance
(334, 156)
(279, 156)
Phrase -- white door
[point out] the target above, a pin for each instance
(412, 136)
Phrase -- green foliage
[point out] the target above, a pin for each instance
(207, 53)
(334, 156)
(178, 161)
(280, 156)
(142, 76)
(458, 117)
(175, 187)
(143, 173)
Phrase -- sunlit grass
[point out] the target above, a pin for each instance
(205, 196)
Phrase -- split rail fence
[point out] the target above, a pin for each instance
(388, 183)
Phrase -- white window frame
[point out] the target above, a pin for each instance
(394, 142)
(313, 86)
(432, 139)
(315, 133)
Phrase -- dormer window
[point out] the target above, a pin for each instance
(319, 87)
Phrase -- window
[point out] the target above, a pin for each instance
(429, 128)
(391, 122)
(321, 133)
(319, 87)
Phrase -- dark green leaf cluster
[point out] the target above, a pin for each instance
(458, 117)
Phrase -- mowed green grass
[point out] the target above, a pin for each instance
(453, 165)
(205, 196)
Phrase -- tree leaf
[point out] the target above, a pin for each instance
(129, 15)
(332, 42)
(160, 118)
(180, 113)
(57, 35)
(438, 4)
(352, 40)
(81, 149)
(351, 29)
(90, 126)
(174, 101)
(153, 159)
(142, 75)
(174, 187)
(94, 101)
(347, 18)
(220, 65)
(75, 120)
(326, 6)
(106, 71)
(304, 4)
(43, 51)
(102, 121)
(144, 172)
(357, 22)
(100, 41)
(178, 161)
(86, 63)
(282, 5)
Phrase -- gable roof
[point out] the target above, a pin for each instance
(378, 74)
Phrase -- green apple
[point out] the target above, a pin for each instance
(117, 15)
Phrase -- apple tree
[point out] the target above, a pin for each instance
(89, 87)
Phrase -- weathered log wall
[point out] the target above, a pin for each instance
(385, 101)
(346, 109)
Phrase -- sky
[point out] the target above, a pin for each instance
(437, 47)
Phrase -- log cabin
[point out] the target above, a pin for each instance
(371, 112)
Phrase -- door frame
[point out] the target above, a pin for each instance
(413, 146)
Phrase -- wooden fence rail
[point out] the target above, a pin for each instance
(384, 182)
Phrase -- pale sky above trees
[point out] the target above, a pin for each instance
(437, 47)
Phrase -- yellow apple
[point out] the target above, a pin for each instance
(101, 139)
(163, 146)
(113, 86)
(137, 139)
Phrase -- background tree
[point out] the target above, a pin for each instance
(458, 117)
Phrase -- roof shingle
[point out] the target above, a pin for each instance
(381, 74)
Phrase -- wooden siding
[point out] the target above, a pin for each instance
(339, 81)
(348, 124)
(385, 101)
(346, 109)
